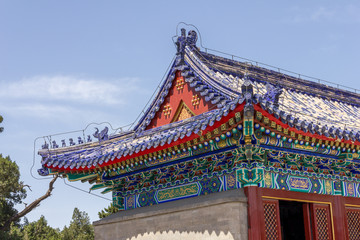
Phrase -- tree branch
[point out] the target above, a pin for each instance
(30, 207)
(27, 186)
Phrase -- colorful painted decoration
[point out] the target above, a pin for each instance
(216, 125)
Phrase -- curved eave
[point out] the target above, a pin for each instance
(105, 160)
(328, 129)
(301, 130)
(62, 150)
(201, 74)
(285, 120)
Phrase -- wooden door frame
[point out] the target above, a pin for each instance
(336, 204)
(307, 221)
(327, 207)
(256, 222)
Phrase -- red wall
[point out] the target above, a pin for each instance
(173, 99)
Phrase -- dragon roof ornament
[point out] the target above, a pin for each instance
(184, 40)
(225, 83)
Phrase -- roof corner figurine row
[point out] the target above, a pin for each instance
(272, 112)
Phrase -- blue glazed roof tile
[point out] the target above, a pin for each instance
(308, 106)
(93, 155)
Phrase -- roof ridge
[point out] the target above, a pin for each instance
(287, 72)
(218, 63)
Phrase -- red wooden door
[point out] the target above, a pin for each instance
(321, 221)
(353, 223)
(272, 219)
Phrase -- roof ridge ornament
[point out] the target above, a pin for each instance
(247, 89)
(103, 135)
(273, 93)
(183, 41)
(192, 38)
(248, 93)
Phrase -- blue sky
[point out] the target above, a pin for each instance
(65, 64)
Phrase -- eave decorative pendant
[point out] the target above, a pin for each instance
(217, 124)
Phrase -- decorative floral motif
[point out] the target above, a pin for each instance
(195, 100)
(180, 84)
(167, 110)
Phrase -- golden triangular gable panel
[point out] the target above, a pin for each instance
(182, 112)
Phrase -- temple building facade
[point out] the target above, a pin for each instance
(226, 150)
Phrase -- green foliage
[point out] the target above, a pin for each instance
(6, 210)
(40, 230)
(80, 227)
(11, 188)
(15, 233)
(108, 211)
(1, 128)
(12, 192)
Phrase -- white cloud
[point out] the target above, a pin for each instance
(26, 109)
(68, 88)
(66, 99)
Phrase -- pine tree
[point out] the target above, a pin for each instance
(1, 128)
(80, 227)
(12, 190)
(40, 230)
(108, 211)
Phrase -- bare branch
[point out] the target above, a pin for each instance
(27, 187)
(31, 206)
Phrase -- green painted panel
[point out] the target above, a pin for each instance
(77, 177)
(178, 192)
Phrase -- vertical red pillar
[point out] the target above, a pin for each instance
(256, 226)
(339, 214)
(307, 221)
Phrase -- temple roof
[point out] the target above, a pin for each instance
(301, 104)
(308, 105)
(259, 74)
(95, 154)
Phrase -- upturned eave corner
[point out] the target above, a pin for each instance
(216, 125)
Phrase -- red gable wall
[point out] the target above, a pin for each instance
(178, 93)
